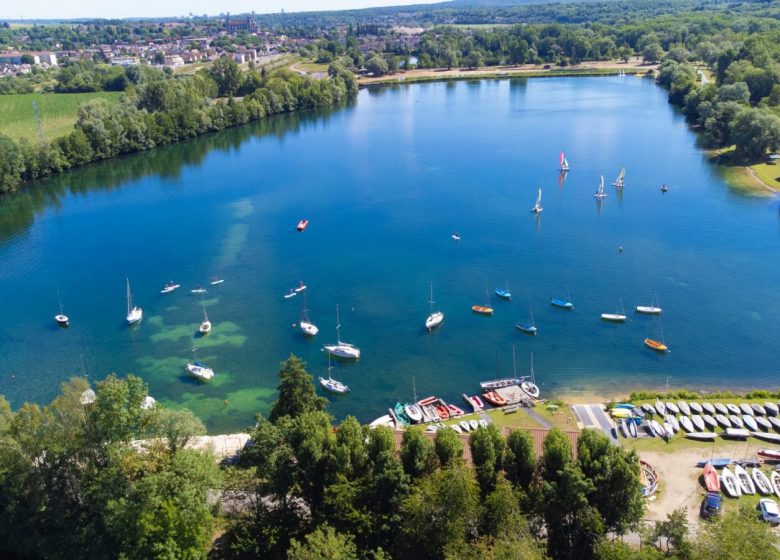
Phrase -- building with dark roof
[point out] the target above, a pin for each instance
(245, 24)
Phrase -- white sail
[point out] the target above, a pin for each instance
(538, 206)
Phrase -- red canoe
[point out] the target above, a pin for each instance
(711, 480)
(302, 225)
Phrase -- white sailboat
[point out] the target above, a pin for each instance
(529, 387)
(134, 313)
(198, 370)
(619, 181)
(331, 384)
(537, 209)
(342, 349)
(205, 326)
(308, 328)
(600, 191)
(436, 317)
(62, 319)
(564, 163)
(651, 309)
(615, 317)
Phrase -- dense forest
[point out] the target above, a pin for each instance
(103, 473)
(158, 108)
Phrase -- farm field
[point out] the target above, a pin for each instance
(58, 112)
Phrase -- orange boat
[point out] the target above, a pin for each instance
(494, 398)
(655, 345)
(711, 480)
(442, 411)
(302, 225)
(482, 310)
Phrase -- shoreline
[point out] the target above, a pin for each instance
(596, 68)
(741, 177)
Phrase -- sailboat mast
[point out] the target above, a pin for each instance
(431, 300)
(514, 362)
(338, 325)
(59, 301)
(129, 296)
(533, 375)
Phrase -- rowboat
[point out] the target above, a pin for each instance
(454, 410)
(745, 408)
(697, 408)
(733, 409)
(657, 429)
(649, 408)
(766, 436)
(758, 409)
(673, 408)
(302, 225)
(632, 429)
(720, 407)
(668, 429)
(771, 408)
(736, 433)
(770, 454)
(730, 484)
(474, 425)
(736, 421)
(442, 411)
(414, 412)
(684, 408)
(400, 414)
(722, 420)
(464, 425)
(499, 383)
(702, 436)
(763, 423)
(638, 412)
(686, 424)
(672, 421)
(494, 398)
(698, 422)
(774, 478)
(746, 485)
(655, 345)
(775, 422)
(711, 480)
(710, 421)
(624, 428)
(661, 408)
(762, 482)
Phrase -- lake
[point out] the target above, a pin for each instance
(385, 182)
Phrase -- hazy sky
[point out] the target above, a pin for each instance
(64, 9)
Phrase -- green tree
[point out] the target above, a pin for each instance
(449, 447)
(377, 65)
(297, 394)
(487, 452)
(755, 131)
(674, 532)
(178, 427)
(475, 60)
(652, 52)
(11, 164)
(324, 542)
(614, 473)
(418, 454)
(227, 75)
(520, 459)
(737, 535)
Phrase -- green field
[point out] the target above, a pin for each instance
(58, 112)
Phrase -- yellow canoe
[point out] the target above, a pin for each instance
(655, 345)
(621, 413)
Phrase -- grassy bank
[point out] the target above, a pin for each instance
(418, 76)
(755, 178)
(58, 112)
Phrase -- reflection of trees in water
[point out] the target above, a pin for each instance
(18, 209)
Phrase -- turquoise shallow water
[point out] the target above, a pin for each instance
(384, 183)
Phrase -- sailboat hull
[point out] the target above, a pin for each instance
(528, 329)
(434, 320)
(343, 351)
(613, 317)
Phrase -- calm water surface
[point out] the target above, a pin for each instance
(384, 183)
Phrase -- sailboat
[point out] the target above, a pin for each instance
(651, 309)
(198, 370)
(504, 294)
(342, 349)
(564, 304)
(529, 387)
(619, 181)
(537, 209)
(600, 191)
(564, 163)
(308, 328)
(205, 326)
(615, 317)
(170, 287)
(483, 309)
(526, 327)
(655, 345)
(134, 314)
(62, 319)
(435, 318)
(331, 384)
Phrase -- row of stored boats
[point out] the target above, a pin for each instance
(737, 481)
(698, 420)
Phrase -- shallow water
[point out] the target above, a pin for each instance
(385, 182)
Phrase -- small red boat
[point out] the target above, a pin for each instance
(475, 402)
(771, 454)
(302, 225)
(494, 398)
(442, 411)
(711, 479)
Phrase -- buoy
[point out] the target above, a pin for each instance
(294, 325)
(620, 249)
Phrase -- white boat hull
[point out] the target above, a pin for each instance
(205, 327)
(309, 329)
(434, 320)
(344, 351)
(614, 317)
(135, 315)
(199, 372)
(648, 310)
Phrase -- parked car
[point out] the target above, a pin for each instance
(769, 511)
(711, 505)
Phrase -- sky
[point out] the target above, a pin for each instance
(67, 9)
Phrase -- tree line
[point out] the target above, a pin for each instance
(158, 109)
(104, 473)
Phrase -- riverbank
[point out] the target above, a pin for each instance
(758, 179)
(596, 68)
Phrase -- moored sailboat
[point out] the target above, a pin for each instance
(205, 326)
(529, 387)
(198, 370)
(564, 304)
(504, 293)
(61, 318)
(331, 384)
(615, 317)
(483, 309)
(435, 318)
(342, 349)
(308, 328)
(528, 328)
(134, 313)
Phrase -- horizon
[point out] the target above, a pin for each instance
(148, 9)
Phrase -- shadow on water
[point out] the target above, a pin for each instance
(18, 210)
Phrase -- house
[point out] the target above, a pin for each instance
(173, 61)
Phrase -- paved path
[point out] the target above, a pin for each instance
(593, 416)
(544, 423)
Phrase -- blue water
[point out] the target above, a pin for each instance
(385, 182)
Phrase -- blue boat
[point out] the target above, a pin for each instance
(624, 405)
(717, 463)
(503, 294)
(562, 303)
(525, 327)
